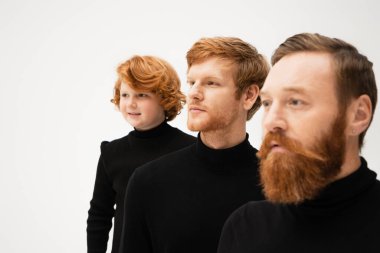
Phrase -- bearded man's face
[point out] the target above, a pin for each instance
(304, 128)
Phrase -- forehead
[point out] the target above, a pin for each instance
(309, 72)
(125, 86)
(212, 66)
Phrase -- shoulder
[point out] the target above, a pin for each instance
(165, 167)
(253, 213)
(244, 224)
(376, 190)
(175, 159)
(109, 147)
(370, 178)
(173, 131)
(253, 208)
(377, 184)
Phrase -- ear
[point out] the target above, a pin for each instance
(359, 115)
(250, 96)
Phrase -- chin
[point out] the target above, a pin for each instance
(196, 127)
(193, 128)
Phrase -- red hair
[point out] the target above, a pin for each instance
(152, 74)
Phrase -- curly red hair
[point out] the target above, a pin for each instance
(152, 74)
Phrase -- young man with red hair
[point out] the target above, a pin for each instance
(179, 203)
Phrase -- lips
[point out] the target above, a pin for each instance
(134, 113)
(274, 144)
(275, 147)
(195, 108)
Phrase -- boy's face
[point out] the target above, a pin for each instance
(141, 109)
(212, 103)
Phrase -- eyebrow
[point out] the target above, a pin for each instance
(207, 77)
(287, 89)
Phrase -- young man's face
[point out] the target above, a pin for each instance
(141, 109)
(212, 103)
(305, 132)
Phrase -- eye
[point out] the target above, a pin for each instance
(295, 102)
(124, 95)
(142, 95)
(265, 103)
(212, 83)
(190, 83)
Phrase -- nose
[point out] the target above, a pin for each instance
(131, 102)
(274, 119)
(195, 92)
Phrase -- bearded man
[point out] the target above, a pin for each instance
(318, 101)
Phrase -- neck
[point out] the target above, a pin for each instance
(351, 160)
(222, 139)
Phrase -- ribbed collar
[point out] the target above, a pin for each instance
(238, 157)
(340, 194)
(151, 133)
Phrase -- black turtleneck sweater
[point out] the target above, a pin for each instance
(117, 162)
(179, 203)
(344, 218)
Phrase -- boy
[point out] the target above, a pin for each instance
(147, 93)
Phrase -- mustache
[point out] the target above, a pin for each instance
(195, 104)
(289, 144)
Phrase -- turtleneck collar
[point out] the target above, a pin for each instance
(341, 193)
(237, 157)
(151, 133)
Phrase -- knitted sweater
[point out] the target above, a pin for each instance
(117, 162)
(344, 218)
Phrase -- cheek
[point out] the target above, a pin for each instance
(264, 132)
(159, 110)
(122, 106)
(224, 104)
(151, 108)
(309, 134)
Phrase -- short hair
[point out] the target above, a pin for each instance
(354, 73)
(251, 67)
(152, 74)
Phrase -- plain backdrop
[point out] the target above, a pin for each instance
(57, 70)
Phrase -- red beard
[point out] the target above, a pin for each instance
(300, 174)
